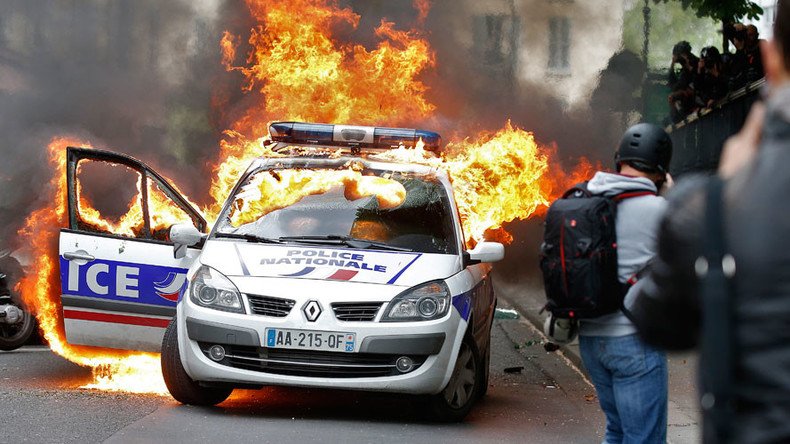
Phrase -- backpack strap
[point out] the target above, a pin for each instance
(581, 190)
(716, 270)
(629, 194)
(626, 287)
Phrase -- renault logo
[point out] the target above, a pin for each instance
(312, 310)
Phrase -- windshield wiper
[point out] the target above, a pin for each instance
(249, 238)
(348, 241)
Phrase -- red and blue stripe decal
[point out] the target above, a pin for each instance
(343, 275)
(115, 318)
(463, 303)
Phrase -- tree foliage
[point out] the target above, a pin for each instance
(721, 10)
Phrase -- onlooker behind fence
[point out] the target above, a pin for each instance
(711, 84)
(725, 282)
(681, 83)
(746, 64)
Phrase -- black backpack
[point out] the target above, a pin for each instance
(579, 254)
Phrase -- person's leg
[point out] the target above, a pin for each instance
(639, 380)
(592, 349)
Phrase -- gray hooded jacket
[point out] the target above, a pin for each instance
(637, 229)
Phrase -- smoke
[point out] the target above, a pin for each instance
(485, 70)
(132, 76)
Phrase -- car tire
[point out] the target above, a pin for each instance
(181, 386)
(455, 401)
(16, 335)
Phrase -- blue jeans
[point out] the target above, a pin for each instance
(630, 378)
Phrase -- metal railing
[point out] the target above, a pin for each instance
(698, 139)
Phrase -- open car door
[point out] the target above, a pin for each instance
(120, 280)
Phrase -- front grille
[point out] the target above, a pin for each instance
(321, 364)
(356, 311)
(269, 306)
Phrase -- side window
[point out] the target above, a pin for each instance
(163, 212)
(114, 194)
(108, 199)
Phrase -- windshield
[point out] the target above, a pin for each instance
(369, 209)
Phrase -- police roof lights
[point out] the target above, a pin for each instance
(353, 136)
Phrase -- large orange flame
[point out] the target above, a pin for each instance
(270, 191)
(305, 73)
(40, 291)
(498, 178)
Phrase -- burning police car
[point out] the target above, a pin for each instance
(326, 269)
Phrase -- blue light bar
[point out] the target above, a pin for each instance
(353, 136)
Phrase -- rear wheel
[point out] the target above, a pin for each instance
(13, 336)
(454, 402)
(181, 386)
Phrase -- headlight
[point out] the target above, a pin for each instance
(209, 288)
(421, 303)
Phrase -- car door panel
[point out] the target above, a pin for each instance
(120, 291)
(123, 297)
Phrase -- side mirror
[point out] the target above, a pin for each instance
(183, 236)
(486, 252)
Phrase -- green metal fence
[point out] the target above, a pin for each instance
(697, 141)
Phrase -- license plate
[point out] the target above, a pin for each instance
(309, 339)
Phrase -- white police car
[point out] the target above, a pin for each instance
(362, 283)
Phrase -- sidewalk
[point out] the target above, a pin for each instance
(684, 417)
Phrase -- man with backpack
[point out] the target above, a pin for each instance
(589, 266)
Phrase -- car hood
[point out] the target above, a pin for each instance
(239, 259)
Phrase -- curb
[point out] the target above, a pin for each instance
(529, 309)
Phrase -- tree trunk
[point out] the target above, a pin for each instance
(725, 44)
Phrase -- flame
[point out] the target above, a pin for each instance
(304, 73)
(162, 211)
(273, 190)
(497, 178)
(138, 373)
(41, 293)
(130, 224)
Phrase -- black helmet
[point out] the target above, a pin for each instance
(646, 147)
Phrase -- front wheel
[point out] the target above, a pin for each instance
(454, 402)
(181, 386)
(13, 336)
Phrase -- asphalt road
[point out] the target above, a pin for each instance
(540, 399)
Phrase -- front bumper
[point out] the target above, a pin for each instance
(432, 345)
